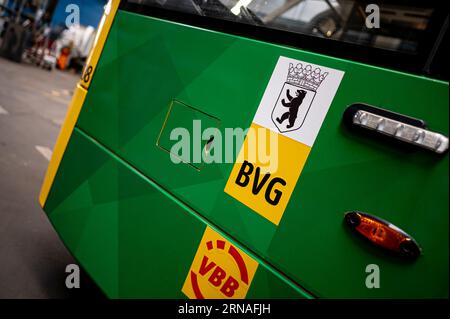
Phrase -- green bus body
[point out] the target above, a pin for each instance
(134, 219)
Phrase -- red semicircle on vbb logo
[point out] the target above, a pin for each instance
(219, 270)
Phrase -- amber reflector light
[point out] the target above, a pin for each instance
(383, 234)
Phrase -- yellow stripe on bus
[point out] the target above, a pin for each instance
(78, 98)
(62, 141)
(99, 42)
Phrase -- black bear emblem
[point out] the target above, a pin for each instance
(293, 105)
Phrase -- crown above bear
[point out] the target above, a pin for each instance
(305, 76)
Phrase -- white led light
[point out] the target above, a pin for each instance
(402, 131)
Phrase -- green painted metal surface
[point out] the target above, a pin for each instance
(148, 62)
(131, 238)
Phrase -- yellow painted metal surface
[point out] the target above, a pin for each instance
(62, 141)
(99, 42)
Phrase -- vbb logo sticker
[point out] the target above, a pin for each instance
(219, 270)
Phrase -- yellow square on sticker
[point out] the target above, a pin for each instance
(266, 172)
(220, 270)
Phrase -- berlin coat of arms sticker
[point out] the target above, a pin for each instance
(297, 99)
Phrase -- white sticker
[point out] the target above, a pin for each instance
(297, 99)
(293, 106)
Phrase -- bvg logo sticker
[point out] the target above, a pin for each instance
(294, 106)
(267, 191)
(219, 270)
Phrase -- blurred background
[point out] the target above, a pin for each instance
(49, 33)
(42, 53)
